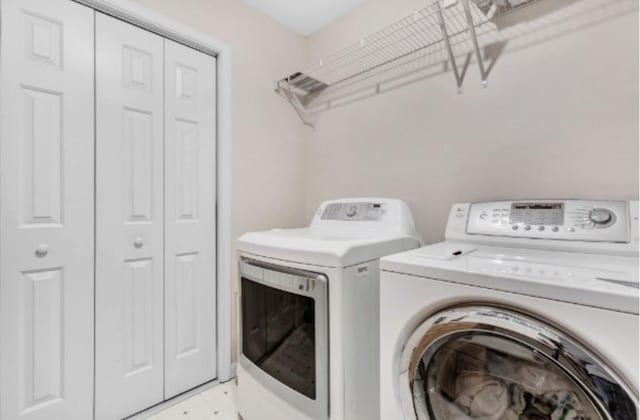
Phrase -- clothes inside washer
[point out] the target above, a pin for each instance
(467, 379)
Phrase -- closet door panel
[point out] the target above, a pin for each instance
(190, 232)
(129, 216)
(46, 212)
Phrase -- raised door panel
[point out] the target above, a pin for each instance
(42, 323)
(42, 157)
(190, 190)
(186, 305)
(186, 169)
(138, 316)
(129, 228)
(46, 212)
(138, 156)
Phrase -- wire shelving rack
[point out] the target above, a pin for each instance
(442, 23)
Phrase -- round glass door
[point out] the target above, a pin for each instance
(492, 364)
(491, 377)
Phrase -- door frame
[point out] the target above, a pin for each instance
(133, 13)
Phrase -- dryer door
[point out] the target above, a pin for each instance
(477, 362)
(284, 334)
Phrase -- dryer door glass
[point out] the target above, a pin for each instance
(491, 377)
(278, 335)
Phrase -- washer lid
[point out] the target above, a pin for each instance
(315, 247)
(609, 282)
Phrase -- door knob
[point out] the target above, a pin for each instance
(42, 250)
(138, 242)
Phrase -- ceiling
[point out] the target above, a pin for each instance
(304, 16)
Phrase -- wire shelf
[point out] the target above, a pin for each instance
(442, 24)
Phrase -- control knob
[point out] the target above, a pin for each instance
(600, 217)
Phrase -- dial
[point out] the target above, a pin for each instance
(600, 217)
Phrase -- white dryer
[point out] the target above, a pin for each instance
(309, 313)
(528, 310)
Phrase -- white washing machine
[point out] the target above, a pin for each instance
(309, 312)
(528, 310)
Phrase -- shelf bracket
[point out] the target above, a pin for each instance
(474, 40)
(285, 90)
(447, 43)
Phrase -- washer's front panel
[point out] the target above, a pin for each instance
(408, 301)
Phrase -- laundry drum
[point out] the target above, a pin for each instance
(490, 363)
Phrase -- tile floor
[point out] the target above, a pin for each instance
(217, 403)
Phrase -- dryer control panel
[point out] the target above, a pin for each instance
(354, 216)
(354, 211)
(572, 220)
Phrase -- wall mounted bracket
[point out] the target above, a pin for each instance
(474, 40)
(285, 90)
(447, 43)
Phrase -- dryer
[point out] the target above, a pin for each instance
(309, 312)
(528, 309)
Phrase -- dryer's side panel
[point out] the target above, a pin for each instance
(360, 340)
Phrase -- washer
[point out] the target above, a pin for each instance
(527, 310)
(309, 312)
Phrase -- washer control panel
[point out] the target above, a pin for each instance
(596, 221)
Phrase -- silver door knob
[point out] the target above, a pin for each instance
(42, 250)
(138, 242)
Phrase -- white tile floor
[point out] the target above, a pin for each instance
(217, 403)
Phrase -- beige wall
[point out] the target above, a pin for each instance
(267, 137)
(559, 119)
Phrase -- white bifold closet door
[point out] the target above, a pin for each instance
(129, 218)
(190, 230)
(46, 216)
(156, 188)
